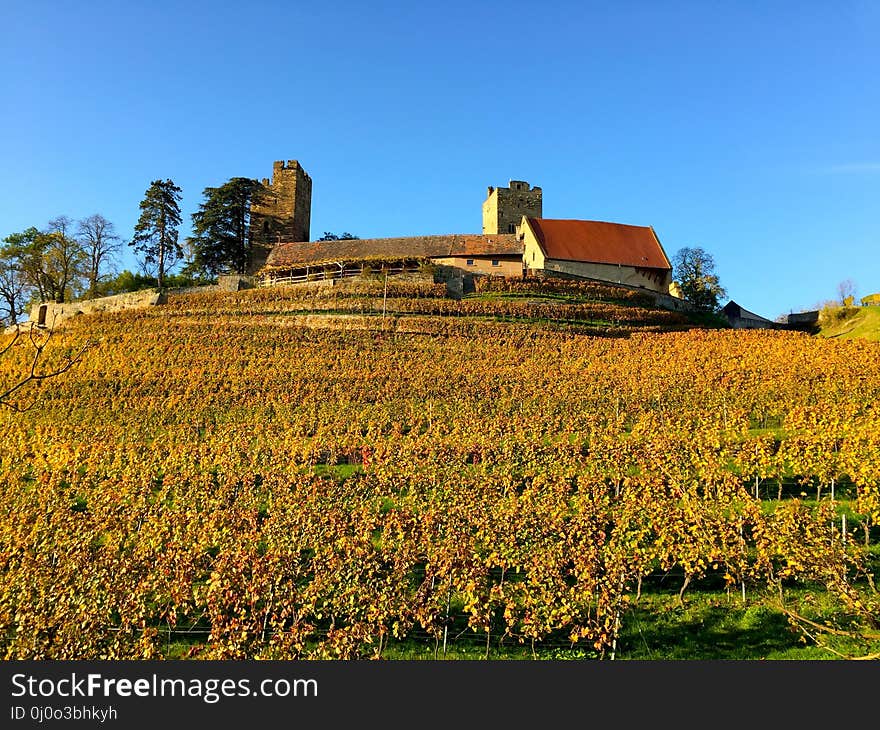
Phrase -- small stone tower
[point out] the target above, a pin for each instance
(504, 208)
(283, 213)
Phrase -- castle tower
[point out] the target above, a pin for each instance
(283, 213)
(504, 208)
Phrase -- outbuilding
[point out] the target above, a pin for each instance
(612, 252)
(743, 319)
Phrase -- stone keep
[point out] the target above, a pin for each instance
(283, 213)
(504, 208)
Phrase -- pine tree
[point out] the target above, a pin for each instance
(155, 235)
(221, 227)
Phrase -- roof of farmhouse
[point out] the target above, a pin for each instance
(732, 309)
(599, 242)
(302, 253)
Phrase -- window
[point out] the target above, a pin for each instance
(496, 262)
(511, 227)
(533, 256)
(470, 262)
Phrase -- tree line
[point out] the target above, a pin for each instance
(77, 259)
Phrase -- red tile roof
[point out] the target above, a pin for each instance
(599, 242)
(301, 253)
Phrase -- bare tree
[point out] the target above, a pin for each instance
(846, 292)
(39, 339)
(66, 256)
(100, 244)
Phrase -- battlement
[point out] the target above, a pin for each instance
(293, 165)
(522, 186)
(518, 186)
(504, 208)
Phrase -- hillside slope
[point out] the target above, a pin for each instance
(578, 306)
(851, 323)
(214, 479)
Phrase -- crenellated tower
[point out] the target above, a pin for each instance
(504, 208)
(282, 212)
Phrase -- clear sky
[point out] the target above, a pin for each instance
(750, 129)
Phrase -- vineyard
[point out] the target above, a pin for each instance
(215, 480)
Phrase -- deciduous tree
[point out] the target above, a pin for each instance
(13, 288)
(846, 292)
(100, 244)
(51, 261)
(694, 270)
(23, 251)
(65, 258)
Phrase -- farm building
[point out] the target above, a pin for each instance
(743, 319)
(612, 252)
(872, 300)
(803, 320)
(496, 255)
(499, 254)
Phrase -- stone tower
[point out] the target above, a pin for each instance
(283, 213)
(504, 208)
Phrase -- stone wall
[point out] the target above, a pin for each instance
(676, 304)
(747, 323)
(192, 289)
(235, 282)
(52, 314)
(504, 208)
(661, 299)
(613, 274)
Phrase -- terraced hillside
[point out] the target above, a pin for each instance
(419, 302)
(287, 473)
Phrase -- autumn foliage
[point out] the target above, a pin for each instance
(185, 476)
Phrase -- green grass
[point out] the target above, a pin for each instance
(711, 627)
(340, 472)
(658, 628)
(851, 323)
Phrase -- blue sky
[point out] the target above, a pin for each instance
(747, 128)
